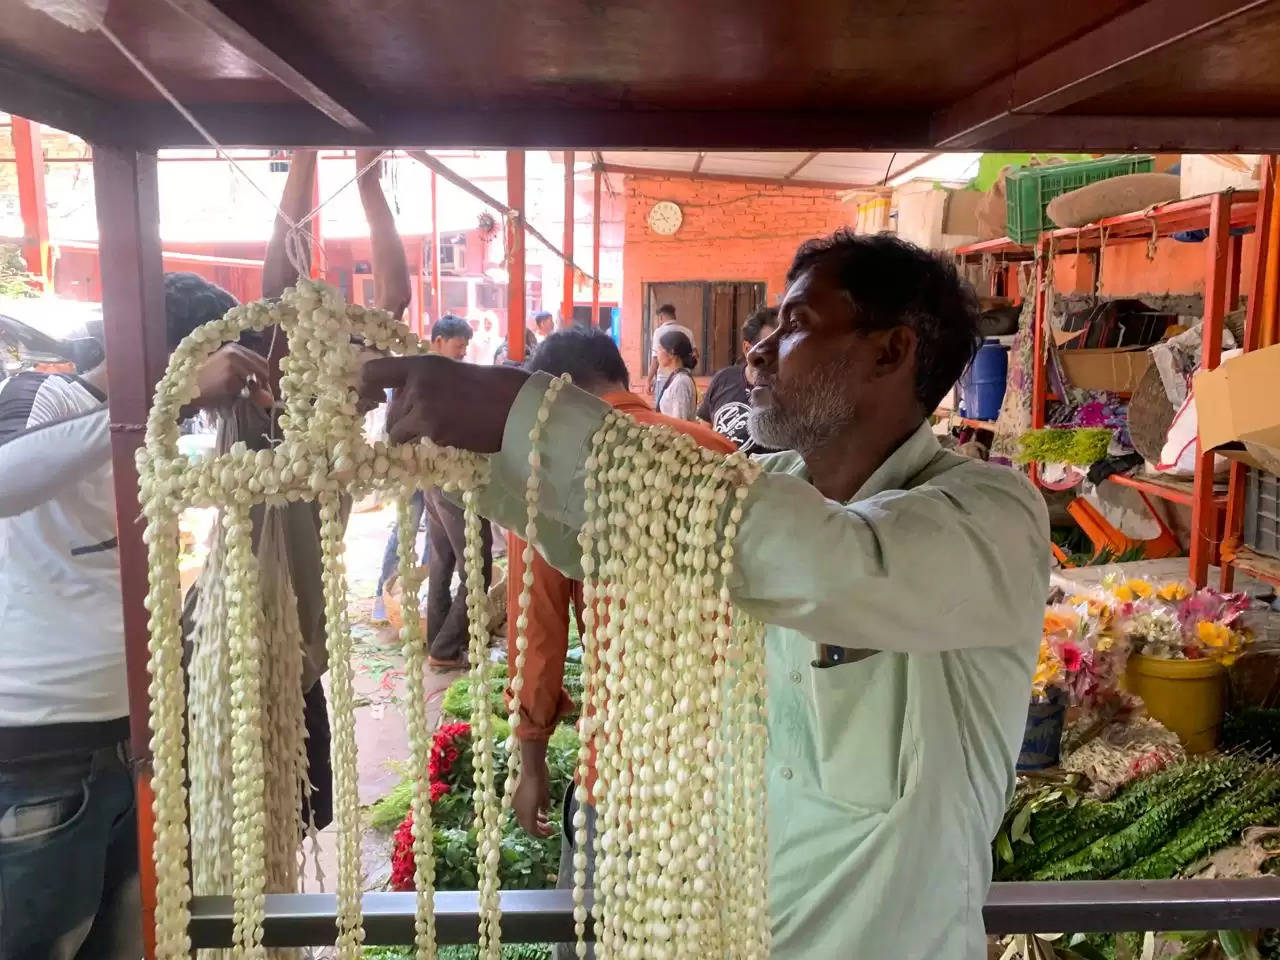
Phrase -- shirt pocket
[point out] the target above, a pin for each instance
(865, 749)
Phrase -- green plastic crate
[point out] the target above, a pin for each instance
(1028, 191)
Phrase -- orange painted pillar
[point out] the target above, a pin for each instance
(566, 298)
(31, 203)
(595, 249)
(317, 258)
(1204, 512)
(437, 308)
(515, 350)
(1264, 270)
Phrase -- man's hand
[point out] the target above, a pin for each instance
(533, 789)
(451, 403)
(226, 373)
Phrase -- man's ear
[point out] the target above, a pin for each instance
(895, 349)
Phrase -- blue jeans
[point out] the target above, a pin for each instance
(69, 858)
(391, 556)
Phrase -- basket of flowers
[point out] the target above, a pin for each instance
(1181, 643)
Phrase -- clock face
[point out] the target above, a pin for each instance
(665, 218)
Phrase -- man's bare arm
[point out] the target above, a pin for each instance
(390, 267)
(295, 202)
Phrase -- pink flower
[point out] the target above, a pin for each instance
(1071, 657)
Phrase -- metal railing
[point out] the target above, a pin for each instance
(546, 916)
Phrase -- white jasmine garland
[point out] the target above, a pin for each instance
(673, 676)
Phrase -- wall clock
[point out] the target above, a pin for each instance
(665, 218)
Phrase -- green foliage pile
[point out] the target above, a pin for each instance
(14, 278)
(457, 699)
(1153, 829)
(1078, 446)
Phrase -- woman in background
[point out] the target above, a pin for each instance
(678, 395)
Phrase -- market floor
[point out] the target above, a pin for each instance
(382, 744)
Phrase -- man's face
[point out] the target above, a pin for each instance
(455, 348)
(766, 331)
(813, 373)
(544, 326)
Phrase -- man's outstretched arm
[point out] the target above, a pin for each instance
(802, 561)
(390, 267)
(295, 203)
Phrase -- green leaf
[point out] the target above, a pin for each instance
(1018, 831)
(1004, 847)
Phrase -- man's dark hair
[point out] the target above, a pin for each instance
(190, 301)
(667, 310)
(589, 356)
(892, 283)
(760, 318)
(450, 327)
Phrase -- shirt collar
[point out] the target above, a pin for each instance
(912, 456)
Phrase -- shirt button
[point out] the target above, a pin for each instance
(786, 773)
(795, 676)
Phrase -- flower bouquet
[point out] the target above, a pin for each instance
(1181, 642)
(1081, 654)
(1173, 622)
(1081, 660)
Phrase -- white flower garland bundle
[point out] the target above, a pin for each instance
(674, 677)
(322, 455)
(674, 681)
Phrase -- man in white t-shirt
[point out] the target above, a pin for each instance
(666, 321)
(68, 837)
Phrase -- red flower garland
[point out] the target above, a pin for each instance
(444, 754)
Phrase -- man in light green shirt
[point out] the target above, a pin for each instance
(903, 587)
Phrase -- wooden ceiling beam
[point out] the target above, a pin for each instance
(1092, 63)
(295, 125)
(276, 46)
(27, 92)
(1125, 134)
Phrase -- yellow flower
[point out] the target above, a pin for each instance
(1174, 592)
(1140, 588)
(1047, 669)
(1105, 643)
(1216, 636)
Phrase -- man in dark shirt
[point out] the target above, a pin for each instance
(726, 404)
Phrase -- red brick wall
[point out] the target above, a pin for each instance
(730, 232)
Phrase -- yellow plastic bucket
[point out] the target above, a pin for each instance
(1187, 696)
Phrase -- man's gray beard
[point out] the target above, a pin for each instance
(812, 417)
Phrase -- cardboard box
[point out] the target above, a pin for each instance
(1119, 370)
(921, 212)
(1237, 410)
(962, 213)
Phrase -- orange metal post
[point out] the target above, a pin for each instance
(1204, 514)
(1039, 389)
(35, 215)
(133, 319)
(1264, 270)
(317, 258)
(515, 348)
(595, 249)
(436, 307)
(566, 298)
